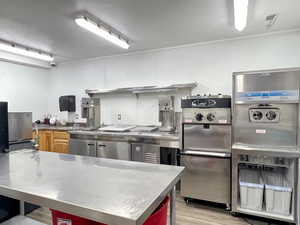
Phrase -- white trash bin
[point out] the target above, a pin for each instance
(251, 196)
(278, 199)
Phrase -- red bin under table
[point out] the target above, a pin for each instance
(158, 217)
(61, 218)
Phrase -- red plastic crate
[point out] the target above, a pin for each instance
(158, 217)
(61, 218)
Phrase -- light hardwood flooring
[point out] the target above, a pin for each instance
(191, 214)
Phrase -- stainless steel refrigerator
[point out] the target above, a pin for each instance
(20, 130)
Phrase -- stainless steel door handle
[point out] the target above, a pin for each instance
(208, 154)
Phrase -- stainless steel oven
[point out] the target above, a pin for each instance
(206, 148)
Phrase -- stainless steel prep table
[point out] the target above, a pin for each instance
(109, 191)
(164, 139)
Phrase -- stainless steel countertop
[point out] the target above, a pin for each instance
(81, 131)
(110, 191)
(151, 135)
(48, 127)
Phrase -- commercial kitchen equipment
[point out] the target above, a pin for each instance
(94, 195)
(20, 137)
(20, 130)
(101, 149)
(83, 147)
(166, 113)
(67, 103)
(265, 151)
(4, 140)
(206, 148)
(143, 152)
(90, 109)
(113, 150)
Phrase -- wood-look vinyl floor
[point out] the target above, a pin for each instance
(191, 214)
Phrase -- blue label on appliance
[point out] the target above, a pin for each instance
(276, 95)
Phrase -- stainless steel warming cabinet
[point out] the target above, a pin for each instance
(265, 150)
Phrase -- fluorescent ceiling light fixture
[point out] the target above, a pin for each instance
(28, 52)
(240, 14)
(101, 31)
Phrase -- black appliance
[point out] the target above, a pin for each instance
(67, 103)
(8, 207)
(3, 127)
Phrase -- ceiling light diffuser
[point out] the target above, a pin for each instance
(101, 31)
(19, 50)
(240, 14)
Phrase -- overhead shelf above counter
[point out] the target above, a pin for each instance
(142, 89)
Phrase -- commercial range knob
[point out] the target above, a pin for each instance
(199, 117)
(210, 117)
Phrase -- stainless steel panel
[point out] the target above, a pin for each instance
(145, 153)
(266, 81)
(83, 147)
(113, 150)
(206, 178)
(20, 126)
(110, 191)
(283, 133)
(213, 138)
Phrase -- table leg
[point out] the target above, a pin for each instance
(22, 208)
(173, 206)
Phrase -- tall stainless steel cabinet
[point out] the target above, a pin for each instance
(265, 150)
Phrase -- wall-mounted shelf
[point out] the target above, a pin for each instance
(142, 89)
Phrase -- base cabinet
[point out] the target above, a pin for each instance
(61, 146)
(53, 141)
(113, 150)
(46, 141)
(83, 147)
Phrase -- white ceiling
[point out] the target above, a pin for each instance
(149, 24)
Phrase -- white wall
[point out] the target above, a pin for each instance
(210, 64)
(25, 88)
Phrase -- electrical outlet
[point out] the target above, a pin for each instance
(119, 116)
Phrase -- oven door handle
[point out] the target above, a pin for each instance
(208, 154)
